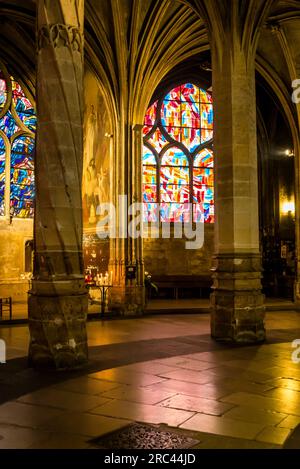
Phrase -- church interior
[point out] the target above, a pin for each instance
(149, 223)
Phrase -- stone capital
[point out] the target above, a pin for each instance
(60, 35)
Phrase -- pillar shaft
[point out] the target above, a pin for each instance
(128, 295)
(237, 301)
(58, 299)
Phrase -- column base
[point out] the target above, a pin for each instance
(127, 300)
(237, 302)
(57, 327)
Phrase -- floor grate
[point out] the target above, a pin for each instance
(142, 436)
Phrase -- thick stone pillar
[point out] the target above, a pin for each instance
(58, 299)
(237, 301)
(126, 253)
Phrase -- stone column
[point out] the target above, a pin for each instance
(237, 301)
(58, 299)
(128, 294)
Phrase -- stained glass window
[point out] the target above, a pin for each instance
(178, 157)
(17, 144)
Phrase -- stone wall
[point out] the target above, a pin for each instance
(170, 256)
(12, 258)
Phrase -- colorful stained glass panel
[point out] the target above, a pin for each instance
(148, 156)
(203, 176)
(207, 116)
(190, 93)
(174, 175)
(149, 175)
(1, 199)
(22, 177)
(205, 97)
(171, 212)
(187, 116)
(175, 193)
(174, 157)
(149, 193)
(2, 149)
(190, 138)
(3, 91)
(206, 135)
(150, 118)
(23, 144)
(21, 199)
(203, 213)
(150, 212)
(171, 114)
(2, 175)
(203, 194)
(204, 158)
(22, 104)
(174, 94)
(175, 133)
(28, 119)
(157, 140)
(190, 115)
(8, 125)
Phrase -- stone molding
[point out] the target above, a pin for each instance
(60, 35)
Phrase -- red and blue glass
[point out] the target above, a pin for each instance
(178, 134)
(17, 144)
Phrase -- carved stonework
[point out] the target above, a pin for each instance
(60, 35)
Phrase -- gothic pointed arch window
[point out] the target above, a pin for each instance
(178, 162)
(17, 145)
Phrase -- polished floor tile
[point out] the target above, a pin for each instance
(138, 394)
(144, 413)
(117, 375)
(63, 399)
(61, 441)
(249, 414)
(90, 425)
(207, 391)
(291, 422)
(197, 404)
(26, 415)
(223, 426)
(190, 376)
(185, 362)
(152, 368)
(261, 402)
(14, 437)
(273, 435)
(287, 383)
(284, 394)
(86, 385)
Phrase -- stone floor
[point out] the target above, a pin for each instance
(159, 370)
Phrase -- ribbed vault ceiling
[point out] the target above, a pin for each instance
(133, 44)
